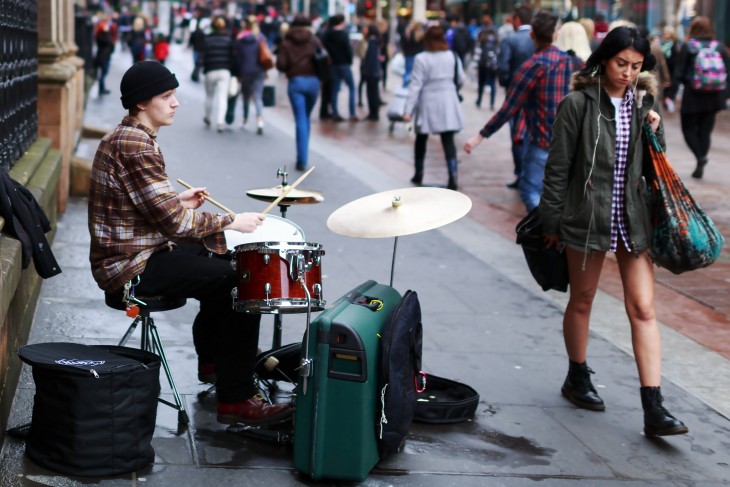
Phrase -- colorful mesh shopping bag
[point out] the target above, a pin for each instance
(684, 238)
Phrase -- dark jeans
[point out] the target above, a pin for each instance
(325, 99)
(343, 73)
(220, 334)
(373, 92)
(103, 71)
(697, 129)
(487, 78)
(518, 149)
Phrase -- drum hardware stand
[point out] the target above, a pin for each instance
(283, 175)
(276, 338)
(395, 203)
(305, 365)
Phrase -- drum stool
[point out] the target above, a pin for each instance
(150, 340)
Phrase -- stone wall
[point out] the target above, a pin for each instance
(38, 170)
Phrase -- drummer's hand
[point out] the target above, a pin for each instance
(246, 222)
(471, 144)
(551, 240)
(194, 197)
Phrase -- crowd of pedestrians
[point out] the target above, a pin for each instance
(227, 58)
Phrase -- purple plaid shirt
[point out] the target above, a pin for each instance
(618, 195)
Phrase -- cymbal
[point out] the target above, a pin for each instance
(295, 197)
(399, 212)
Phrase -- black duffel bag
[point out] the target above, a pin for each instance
(94, 409)
(549, 267)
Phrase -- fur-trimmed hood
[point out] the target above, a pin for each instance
(646, 84)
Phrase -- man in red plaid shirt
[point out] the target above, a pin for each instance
(537, 88)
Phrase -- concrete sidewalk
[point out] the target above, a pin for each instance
(486, 323)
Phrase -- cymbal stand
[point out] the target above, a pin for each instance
(283, 175)
(276, 339)
(392, 265)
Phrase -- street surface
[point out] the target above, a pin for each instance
(486, 323)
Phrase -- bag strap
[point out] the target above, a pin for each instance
(651, 137)
(456, 71)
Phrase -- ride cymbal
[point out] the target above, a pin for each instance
(399, 212)
(295, 197)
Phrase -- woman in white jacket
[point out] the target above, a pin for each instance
(433, 101)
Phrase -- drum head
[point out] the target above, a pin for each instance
(274, 229)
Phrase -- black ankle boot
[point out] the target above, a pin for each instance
(657, 420)
(452, 165)
(700, 169)
(417, 178)
(579, 389)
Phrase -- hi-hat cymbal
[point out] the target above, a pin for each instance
(399, 212)
(295, 197)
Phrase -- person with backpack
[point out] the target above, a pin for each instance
(487, 67)
(459, 39)
(702, 68)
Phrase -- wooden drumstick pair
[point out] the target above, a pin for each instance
(286, 190)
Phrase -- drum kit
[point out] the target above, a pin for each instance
(279, 272)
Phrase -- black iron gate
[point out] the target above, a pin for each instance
(18, 78)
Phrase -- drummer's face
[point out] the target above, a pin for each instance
(159, 111)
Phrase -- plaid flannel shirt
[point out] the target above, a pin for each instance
(134, 210)
(618, 195)
(539, 85)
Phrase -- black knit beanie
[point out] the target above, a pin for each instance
(144, 80)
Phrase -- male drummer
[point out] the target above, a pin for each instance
(142, 230)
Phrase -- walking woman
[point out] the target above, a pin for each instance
(411, 44)
(433, 101)
(294, 58)
(699, 105)
(218, 63)
(594, 201)
(251, 73)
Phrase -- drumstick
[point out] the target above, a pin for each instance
(286, 192)
(228, 210)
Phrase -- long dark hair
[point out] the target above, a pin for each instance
(616, 41)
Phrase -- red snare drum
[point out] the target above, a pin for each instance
(269, 277)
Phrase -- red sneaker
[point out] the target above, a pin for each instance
(255, 411)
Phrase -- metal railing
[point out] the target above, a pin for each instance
(18, 78)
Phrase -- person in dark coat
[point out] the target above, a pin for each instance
(104, 48)
(251, 73)
(217, 60)
(337, 42)
(371, 70)
(699, 108)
